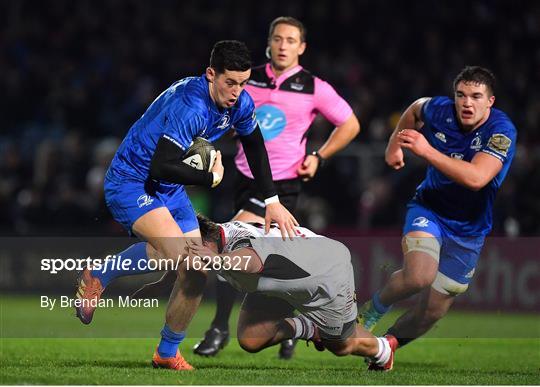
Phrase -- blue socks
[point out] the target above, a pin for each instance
(169, 342)
(378, 305)
(115, 268)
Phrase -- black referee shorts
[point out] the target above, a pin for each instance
(248, 198)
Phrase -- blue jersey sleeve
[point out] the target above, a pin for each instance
(501, 143)
(182, 126)
(246, 121)
(432, 107)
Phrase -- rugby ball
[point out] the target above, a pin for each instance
(201, 154)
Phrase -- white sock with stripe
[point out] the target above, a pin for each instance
(384, 352)
(303, 327)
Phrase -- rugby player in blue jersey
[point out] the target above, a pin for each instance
(144, 186)
(469, 146)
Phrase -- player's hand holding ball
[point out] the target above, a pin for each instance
(203, 156)
(217, 170)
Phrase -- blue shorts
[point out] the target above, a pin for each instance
(130, 200)
(459, 255)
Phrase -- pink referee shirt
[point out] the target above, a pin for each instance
(285, 108)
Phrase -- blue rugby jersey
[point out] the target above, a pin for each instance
(181, 113)
(463, 212)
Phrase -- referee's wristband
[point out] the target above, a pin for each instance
(319, 157)
(271, 199)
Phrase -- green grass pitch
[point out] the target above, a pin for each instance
(51, 347)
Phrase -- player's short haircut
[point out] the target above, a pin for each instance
(231, 55)
(290, 21)
(209, 230)
(476, 74)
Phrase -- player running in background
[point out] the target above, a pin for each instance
(469, 146)
(287, 99)
(280, 277)
(144, 186)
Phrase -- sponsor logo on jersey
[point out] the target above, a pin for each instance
(441, 136)
(297, 86)
(476, 143)
(420, 222)
(499, 143)
(144, 200)
(449, 120)
(255, 83)
(173, 141)
(327, 328)
(458, 156)
(224, 121)
(271, 120)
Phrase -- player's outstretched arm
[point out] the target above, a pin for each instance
(340, 137)
(410, 119)
(474, 174)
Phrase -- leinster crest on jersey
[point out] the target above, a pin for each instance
(224, 122)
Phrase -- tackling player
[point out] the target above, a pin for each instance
(280, 277)
(144, 186)
(469, 146)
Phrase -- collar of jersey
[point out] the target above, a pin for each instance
(222, 239)
(287, 74)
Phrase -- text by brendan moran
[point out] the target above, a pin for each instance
(120, 302)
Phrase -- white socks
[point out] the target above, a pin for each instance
(303, 327)
(384, 352)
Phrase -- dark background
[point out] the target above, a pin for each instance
(74, 76)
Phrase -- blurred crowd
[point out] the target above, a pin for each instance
(75, 75)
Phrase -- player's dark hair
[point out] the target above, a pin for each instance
(210, 231)
(290, 21)
(476, 74)
(231, 55)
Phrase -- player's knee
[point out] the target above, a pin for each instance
(417, 281)
(251, 345)
(448, 286)
(338, 348)
(341, 351)
(192, 282)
